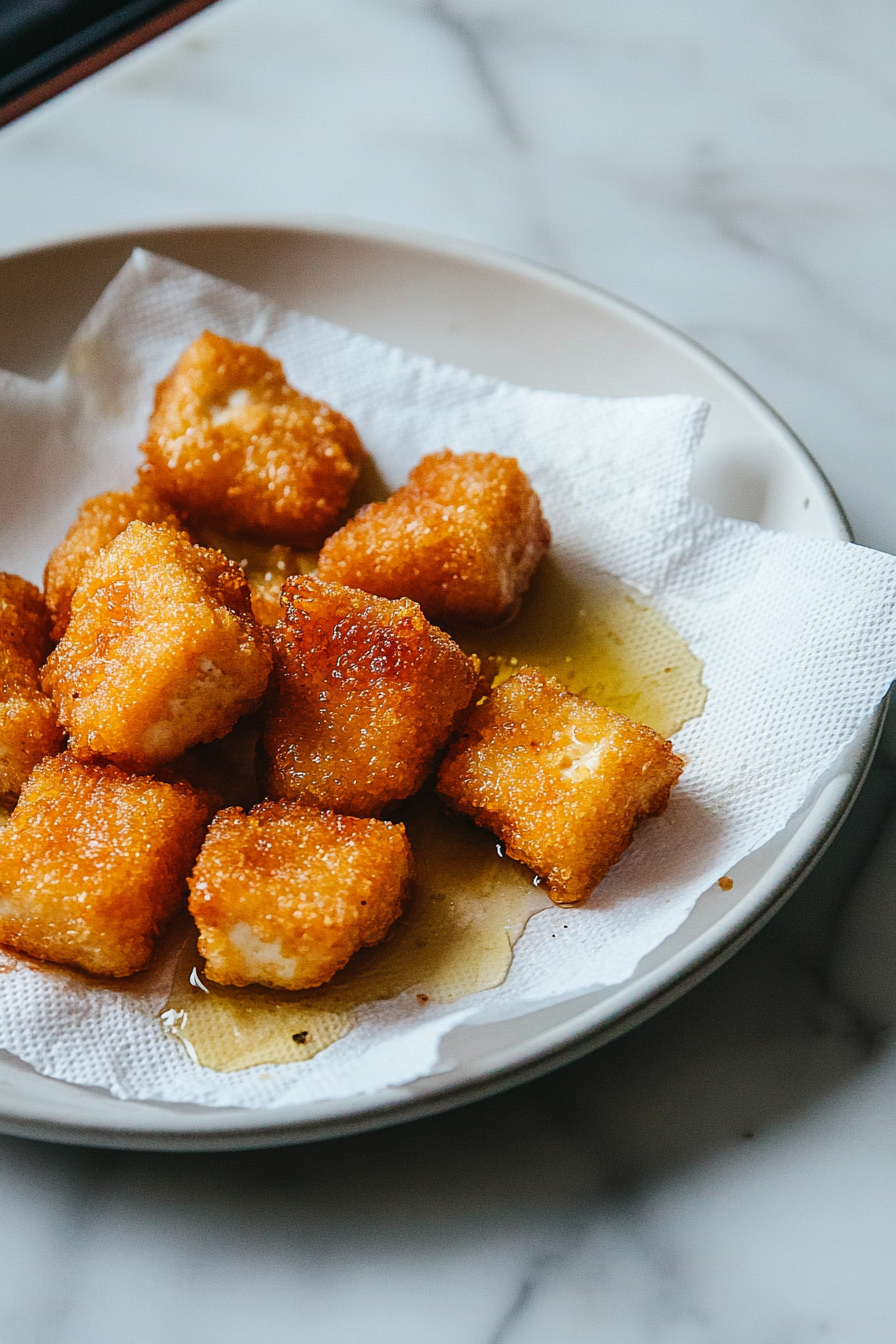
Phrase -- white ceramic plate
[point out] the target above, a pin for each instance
(517, 321)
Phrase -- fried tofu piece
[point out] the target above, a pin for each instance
(99, 521)
(29, 729)
(230, 443)
(366, 693)
(562, 782)
(162, 651)
(285, 895)
(265, 567)
(93, 862)
(24, 624)
(462, 538)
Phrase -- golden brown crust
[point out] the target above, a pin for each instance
(265, 567)
(285, 895)
(29, 731)
(28, 726)
(99, 521)
(266, 584)
(366, 694)
(462, 538)
(232, 444)
(93, 862)
(24, 621)
(162, 650)
(560, 780)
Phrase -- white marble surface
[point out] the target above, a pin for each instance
(727, 1173)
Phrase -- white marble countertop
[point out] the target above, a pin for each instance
(725, 1174)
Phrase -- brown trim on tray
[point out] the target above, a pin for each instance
(97, 60)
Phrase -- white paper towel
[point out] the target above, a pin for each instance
(796, 634)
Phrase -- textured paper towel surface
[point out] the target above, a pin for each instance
(796, 634)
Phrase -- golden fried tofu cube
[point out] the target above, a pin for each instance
(29, 729)
(366, 693)
(99, 521)
(93, 862)
(230, 443)
(562, 782)
(462, 538)
(285, 895)
(24, 623)
(162, 650)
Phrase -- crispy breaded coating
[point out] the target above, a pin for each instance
(24, 622)
(28, 725)
(560, 780)
(29, 731)
(93, 862)
(162, 650)
(366, 694)
(265, 568)
(462, 538)
(232, 444)
(285, 895)
(265, 585)
(99, 521)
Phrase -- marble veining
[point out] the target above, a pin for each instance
(752, 144)
(726, 1174)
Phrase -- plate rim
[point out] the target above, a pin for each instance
(237, 1128)
(437, 244)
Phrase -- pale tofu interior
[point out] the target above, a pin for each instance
(261, 961)
(582, 759)
(223, 415)
(203, 703)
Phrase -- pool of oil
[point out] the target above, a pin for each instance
(603, 642)
(470, 903)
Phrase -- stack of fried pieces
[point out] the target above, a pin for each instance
(147, 644)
